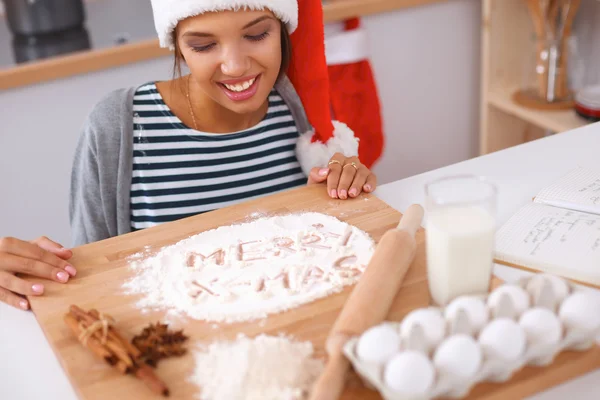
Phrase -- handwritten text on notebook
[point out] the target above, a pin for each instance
(563, 227)
(553, 239)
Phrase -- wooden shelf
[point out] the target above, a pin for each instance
(507, 43)
(555, 121)
(338, 10)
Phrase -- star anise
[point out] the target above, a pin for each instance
(157, 342)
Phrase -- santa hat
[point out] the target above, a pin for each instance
(307, 71)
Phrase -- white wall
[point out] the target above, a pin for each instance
(426, 62)
(584, 67)
(426, 65)
(38, 134)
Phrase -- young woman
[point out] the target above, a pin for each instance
(41, 258)
(251, 118)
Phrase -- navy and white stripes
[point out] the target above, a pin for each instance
(179, 172)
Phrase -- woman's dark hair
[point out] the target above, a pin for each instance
(286, 52)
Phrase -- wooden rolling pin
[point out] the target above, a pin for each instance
(371, 299)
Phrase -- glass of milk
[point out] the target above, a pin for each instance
(460, 226)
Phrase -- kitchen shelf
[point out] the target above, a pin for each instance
(506, 33)
(555, 121)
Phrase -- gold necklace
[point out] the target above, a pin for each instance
(190, 103)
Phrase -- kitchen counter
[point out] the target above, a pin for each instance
(122, 32)
(29, 369)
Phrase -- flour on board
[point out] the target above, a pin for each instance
(264, 367)
(247, 271)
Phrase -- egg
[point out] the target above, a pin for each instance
(542, 326)
(560, 288)
(474, 307)
(518, 296)
(581, 311)
(410, 373)
(459, 355)
(432, 322)
(504, 339)
(378, 344)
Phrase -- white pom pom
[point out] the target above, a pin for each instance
(318, 154)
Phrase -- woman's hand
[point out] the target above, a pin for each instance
(346, 177)
(42, 258)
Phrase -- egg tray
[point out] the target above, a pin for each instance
(541, 291)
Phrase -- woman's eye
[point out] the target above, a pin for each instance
(257, 38)
(254, 38)
(201, 49)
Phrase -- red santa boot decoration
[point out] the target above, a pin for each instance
(353, 91)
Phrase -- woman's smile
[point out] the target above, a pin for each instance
(240, 89)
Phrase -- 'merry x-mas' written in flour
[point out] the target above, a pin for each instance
(247, 271)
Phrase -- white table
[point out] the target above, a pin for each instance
(29, 369)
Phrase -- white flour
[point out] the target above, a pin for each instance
(263, 368)
(247, 271)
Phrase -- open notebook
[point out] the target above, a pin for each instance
(559, 231)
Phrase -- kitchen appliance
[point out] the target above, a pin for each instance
(41, 17)
(587, 103)
(31, 48)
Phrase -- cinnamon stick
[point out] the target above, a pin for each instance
(117, 351)
(146, 374)
(94, 316)
(110, 343)
(123, 368)
(131, 349)
(121, 353)
(80, 314)
(92, 343)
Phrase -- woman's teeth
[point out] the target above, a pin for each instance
(240, 87)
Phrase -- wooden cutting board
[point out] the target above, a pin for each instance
(102, 268)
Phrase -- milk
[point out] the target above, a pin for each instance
(459, 244)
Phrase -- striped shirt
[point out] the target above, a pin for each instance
(179, 172)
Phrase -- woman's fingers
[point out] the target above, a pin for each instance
(346, 177)
(53, 247)
(360, 179)
(20, 286)
(31, 253)
(8, 297)
(30, 266)
(348, 174)
(371, 183)
(42, 258)
(335, 173)
(317, 175)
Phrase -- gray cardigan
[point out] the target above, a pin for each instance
(102, 167)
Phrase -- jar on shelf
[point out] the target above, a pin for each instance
(546, 81)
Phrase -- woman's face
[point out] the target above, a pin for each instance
(234, 56)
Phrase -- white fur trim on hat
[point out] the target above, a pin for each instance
(168, 13)
(318, 154)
